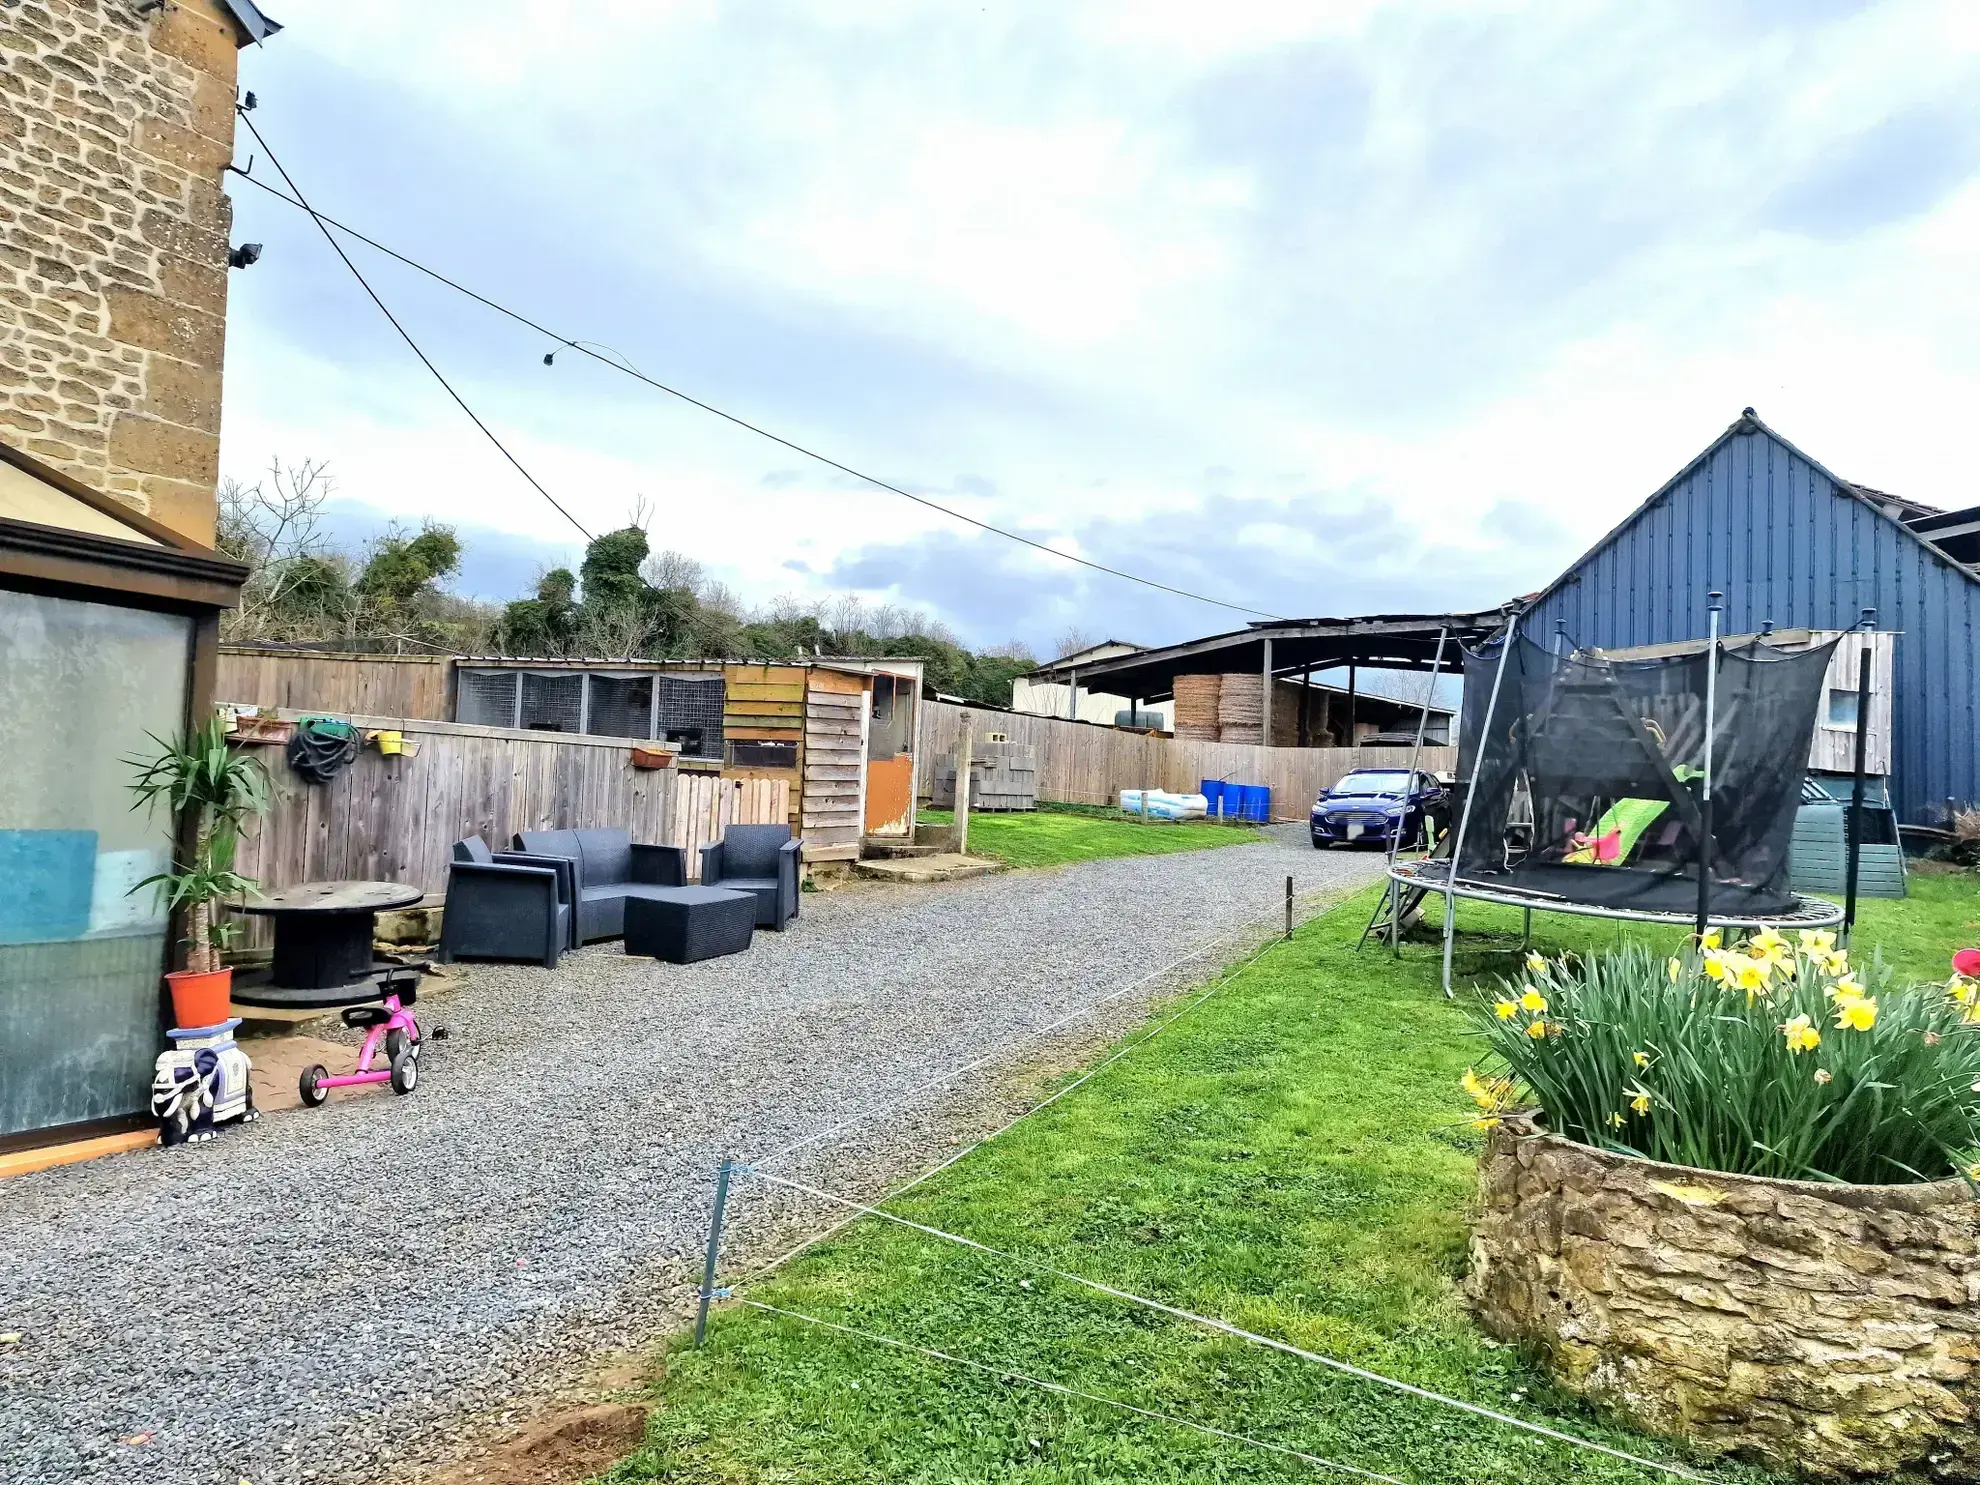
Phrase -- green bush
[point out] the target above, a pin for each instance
(1763, 1058)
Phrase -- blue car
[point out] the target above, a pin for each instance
(1371, 804)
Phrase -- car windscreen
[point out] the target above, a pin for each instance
(1373, 783)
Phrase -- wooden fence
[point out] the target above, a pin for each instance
(396, 818)
(408, 686)
(1080, 763)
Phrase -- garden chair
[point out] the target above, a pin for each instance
(504, 905)
(760, 859)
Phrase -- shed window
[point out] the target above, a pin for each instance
(892, 729)
(1842, 707)
(753, 753)
(690, 713)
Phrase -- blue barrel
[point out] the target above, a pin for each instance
(1257, 803)
(1212, 791)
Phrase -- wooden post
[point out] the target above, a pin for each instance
(1072, 696)
(1305, 690)
(1350, 721)
(962, 785)
(1265, 702)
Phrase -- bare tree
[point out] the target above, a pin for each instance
(672, 569)
(1073, 641)
(273, 528)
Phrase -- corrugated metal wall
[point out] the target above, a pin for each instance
(1756, 520)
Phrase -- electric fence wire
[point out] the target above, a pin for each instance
(626, 368)
(1005, 1049)
(935, 1170)
(1003, 1373)
(404, 334)
(1224, 1327)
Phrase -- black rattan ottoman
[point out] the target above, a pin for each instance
(683, 924)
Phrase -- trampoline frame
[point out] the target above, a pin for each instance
(1808, 912)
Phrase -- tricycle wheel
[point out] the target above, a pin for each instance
(398, 1044)
(405, 1073)
(310, 1085)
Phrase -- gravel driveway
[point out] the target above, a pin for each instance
(329, 1295)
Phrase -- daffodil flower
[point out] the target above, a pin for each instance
(1616, 1122)
(1823, 1075)
(1642, 1059)
(1534, 1001)
(1641, 1102)
(1505, 1010)
(1535, 964)
(1973, 1171)
(1676, 968)
(1716, 967)
(1536, 1029)
(1857, 1013)
(1711, 939)
(1801, 1035)
(1816, 942)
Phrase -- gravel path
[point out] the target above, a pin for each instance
(328, 1295)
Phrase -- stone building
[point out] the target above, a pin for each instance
(116, 123)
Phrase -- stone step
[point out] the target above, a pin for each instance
(945, 866)
(875, 848)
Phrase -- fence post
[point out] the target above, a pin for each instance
(714, 1248)
(1289, 905)
(963, 750)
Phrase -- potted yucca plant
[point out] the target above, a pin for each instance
(210, 791)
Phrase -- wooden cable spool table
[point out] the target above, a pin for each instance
(323, 955)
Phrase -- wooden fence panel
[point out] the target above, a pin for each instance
(1080, 763)
(411, 686)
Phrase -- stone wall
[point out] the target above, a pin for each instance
(1832, 1329)
(114, 128)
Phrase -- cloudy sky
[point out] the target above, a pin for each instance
(1319, 309)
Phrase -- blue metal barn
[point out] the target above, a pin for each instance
(1786, 540)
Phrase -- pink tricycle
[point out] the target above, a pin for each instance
(389, 1026)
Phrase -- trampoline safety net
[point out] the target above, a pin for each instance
(1588, 782)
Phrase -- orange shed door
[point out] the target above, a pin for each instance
(889, 793)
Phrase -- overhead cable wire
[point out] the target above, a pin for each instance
(626, 368)
(1004, 1373)
(404, 334)
(1224, 1327)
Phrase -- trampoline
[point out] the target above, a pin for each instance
(1659, 790)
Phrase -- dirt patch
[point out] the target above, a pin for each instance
(569, 1445)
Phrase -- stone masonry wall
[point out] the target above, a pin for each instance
(1833, 1329)
(114, 128)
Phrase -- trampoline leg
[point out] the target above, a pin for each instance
(1450, 932)
(1526, 929)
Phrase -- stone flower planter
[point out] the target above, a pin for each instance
(1831, 1329)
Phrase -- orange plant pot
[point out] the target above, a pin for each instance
(200, 997)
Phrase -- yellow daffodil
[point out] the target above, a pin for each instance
(1641, 1102)
(1485, 1123)
(1823, 1075)
(1801, 1035)
(1711, 939)
(1536, 964)
(1642, 1059)
(1973, 1171)
(1676, 968)
(1846, 988)
(1536, 1029)
(1616, 1122)
(1471, 1084)
(1768, 947)
(1961, 989)
(1835, 962)
(1716, 967)
(1533, 1001)
(1816, 942)
(1505, 1010)
(1857, 1013)
(1751, 975)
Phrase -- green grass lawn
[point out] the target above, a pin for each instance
(1293, 1157)
(1052, 837)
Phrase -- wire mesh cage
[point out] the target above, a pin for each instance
(621, 706)
(553, 702)
(487, 698)
(689, 712)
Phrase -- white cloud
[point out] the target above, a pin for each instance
(1073, 266)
